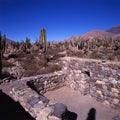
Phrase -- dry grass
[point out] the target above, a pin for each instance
(5, 63)
(35, 64)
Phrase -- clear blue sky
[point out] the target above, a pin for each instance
(61, 18)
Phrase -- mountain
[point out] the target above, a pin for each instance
(73, 38)
(114, 30)
(97, 34)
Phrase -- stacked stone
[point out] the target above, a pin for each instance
(75, 79)
(78, 81)
(38, 105)
(105, 84)
(49, 82)
(97, 78)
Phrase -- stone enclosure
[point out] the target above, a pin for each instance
(97, 78)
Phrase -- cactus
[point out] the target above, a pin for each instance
(43, 44)
(27, 42)
(3, 43)
(0, 55)
(2, 50)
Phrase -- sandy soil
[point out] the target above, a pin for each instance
(81, 104)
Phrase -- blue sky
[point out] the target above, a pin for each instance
(61, 18)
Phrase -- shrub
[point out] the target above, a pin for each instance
(5, 63)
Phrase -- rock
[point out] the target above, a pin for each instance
(6, 55)
(83, 81)
(27, 107)
(46, 112)
(115, 101)
(117, 117)
(116, 94)
(106, 102)
(82, 75)
(114, 81)
(44, 99)
(39, 106)
(111, 79)
(115, 90)
(105, 80)
(99, 92)
(77, 76)
(33, 101)
(100, 82)
(113, 72)
(53, 118)
(38, 117)
(59, 109)
(72, 86)
(104, 87)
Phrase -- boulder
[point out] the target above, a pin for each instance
(59, 109)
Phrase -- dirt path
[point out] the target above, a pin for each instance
(81, 104)
(91, 60)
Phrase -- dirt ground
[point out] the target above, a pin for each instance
(81, 104)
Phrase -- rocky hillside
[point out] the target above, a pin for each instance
(19, 58)
(114, 30)
(97, 34)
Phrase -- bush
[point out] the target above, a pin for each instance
(5, 63)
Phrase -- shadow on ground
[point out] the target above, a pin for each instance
(91, 114)
(69, 116)
(11, 110)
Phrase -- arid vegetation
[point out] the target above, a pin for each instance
(43, 57)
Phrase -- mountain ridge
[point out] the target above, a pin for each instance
(112, 32)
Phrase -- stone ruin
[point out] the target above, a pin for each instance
(99, 79)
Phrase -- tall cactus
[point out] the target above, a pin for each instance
(0, 55)
(2, 50)
(43, 43)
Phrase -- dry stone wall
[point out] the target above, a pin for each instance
(98, 78)
(47, 82)
(38, 106)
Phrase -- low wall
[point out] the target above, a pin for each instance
(36, 104)
(47, 82)
(99, 79)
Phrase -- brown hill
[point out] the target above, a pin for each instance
(73, 38)
(97, 34)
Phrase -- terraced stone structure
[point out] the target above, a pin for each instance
(100, 79)
(97, 78)
(35, 103)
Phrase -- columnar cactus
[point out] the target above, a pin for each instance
(3, 43)
(2, 50)
(0, 55)
(43, 44)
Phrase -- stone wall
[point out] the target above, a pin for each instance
(38, 106)
(100, 79)
(47, 82)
